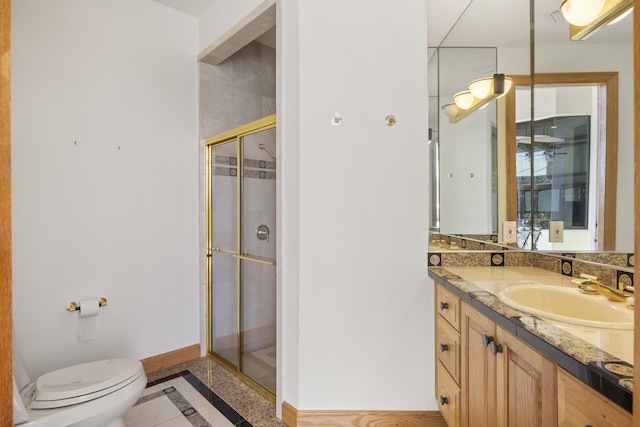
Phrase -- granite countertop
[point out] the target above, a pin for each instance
(602, 358)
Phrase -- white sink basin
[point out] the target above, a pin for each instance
(568, 305)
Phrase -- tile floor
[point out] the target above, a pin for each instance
(163, 402)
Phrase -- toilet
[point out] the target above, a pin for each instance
(93, 394)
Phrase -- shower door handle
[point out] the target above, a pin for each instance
(251, 258)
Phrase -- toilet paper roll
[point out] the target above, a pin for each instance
(89, 307)
(87, 323)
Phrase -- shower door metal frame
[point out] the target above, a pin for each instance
(236, 134)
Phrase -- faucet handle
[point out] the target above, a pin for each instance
(588, 276)
(626, 288)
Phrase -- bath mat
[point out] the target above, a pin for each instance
(181, 400)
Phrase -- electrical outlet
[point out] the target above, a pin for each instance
(509, 232)
(556, 231)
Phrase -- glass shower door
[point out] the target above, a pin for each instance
(257, 267)
(224, 245)
(241, 267)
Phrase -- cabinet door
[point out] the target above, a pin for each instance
(448, 348)
(448, 397)
(478, 398)
(525, 384)
(448, 306)
(579, 405)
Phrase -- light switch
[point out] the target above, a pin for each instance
(509, 232)
(556, 231)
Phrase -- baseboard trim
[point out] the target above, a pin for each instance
(289, 415)
(294, 418)
(172, 358)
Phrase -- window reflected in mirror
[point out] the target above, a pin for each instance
(561, 172)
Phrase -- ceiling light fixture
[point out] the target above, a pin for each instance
(480, 92)
(587, 16)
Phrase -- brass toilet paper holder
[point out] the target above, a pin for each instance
(73, 306)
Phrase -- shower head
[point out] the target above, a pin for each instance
(264, 147)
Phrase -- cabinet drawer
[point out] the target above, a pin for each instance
(448, 347)
(579, 405)
(448, 306)
(448, 394)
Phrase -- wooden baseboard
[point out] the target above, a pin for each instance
(294, 418)
(289, 415)
(172, 358)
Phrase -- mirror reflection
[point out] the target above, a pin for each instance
(570, 133)
(574, 160)
(468, 159)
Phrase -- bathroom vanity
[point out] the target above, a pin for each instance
(497, 366)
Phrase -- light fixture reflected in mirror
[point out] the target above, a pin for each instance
(480, 92)
(482, 87)
(463, 99)
(450, 110)
(587, 16)
(581, 12)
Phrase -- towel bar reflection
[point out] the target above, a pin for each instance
(73, 306)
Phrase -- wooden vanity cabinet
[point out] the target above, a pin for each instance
(486, 377)
(525, 386)
(504, 382)
(478, 376)
(447, 335)
(579, 405)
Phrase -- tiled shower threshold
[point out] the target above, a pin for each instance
(247, 402)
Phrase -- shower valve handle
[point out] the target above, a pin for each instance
(262, 232)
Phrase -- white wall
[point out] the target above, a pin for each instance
(105, 178)
(465, 200)
(357, 320)
(221, 16)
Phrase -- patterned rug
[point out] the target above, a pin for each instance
(181, 400)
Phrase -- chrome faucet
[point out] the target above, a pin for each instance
(590, 283)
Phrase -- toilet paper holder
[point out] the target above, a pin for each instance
(73, 306)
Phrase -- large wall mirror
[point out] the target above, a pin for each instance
(577, 168)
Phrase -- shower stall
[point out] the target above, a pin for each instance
(241, 251)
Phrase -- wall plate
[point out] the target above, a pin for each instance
(509, 232)
(556, 231)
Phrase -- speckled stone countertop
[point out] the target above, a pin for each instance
(601, 358)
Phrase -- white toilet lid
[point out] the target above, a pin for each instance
(81, 383)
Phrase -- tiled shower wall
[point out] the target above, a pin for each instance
(238, 91)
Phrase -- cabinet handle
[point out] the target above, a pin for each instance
(495, 348)
(486, 340)
(443, 347)
(444, 400)
(443, 305)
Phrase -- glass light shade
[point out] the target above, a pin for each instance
(621, 17)
(581, 12)
(463, 99)
(481, 88)
(450, 110)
